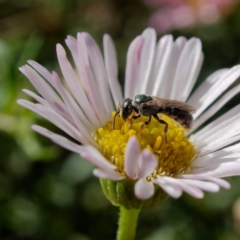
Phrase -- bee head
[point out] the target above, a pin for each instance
(126, 108)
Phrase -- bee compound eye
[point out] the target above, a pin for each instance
(126, 108)
(125, 104)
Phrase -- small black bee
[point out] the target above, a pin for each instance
(151, 106)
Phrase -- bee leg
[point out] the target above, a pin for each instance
(136, 117)
(113, 123)
(162, 122)
(143, 124)
(149, 120)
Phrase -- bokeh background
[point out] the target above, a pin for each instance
(48, 193)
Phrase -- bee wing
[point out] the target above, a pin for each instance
(162, 102)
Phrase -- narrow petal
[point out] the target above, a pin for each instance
(74, 84)
(89, 81)
(113, 175)
(95, 157)
(111, 64)
(162, 65)
(133, 66)
(215, 107)
(42, 70)
(72, 45)
(206, 186)
(221, 170)
(217, 89)
(58, 109)
(193, 191)
(222, 183)
(188, 68)
(205, 85)
(58, 139)
(40, 84)
(50, 116)
(66, 125)
(218, 125)
(228, 131)
(171, 189)
(147, 164)
(166, 87)
(214, 161)
(98, 68)
(36, 97)
(131, 157)
(219, 145)
(71, 105)
(147, 56)
(143, 189)
(75, 111)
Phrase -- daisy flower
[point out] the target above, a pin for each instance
(137, 167)
(179, 14)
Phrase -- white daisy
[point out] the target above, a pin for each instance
(83, 105)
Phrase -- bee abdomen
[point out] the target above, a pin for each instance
(183, 117)
(188, 122)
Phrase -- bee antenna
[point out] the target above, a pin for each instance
(113, 124)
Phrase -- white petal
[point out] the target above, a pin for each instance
(228, 131)
(166, 87)
(64, 124)
(110, 58)
(214, 161)
(58, 139)
(219, 145)
(221, 170)
(71, 107)
(40, 84)
(171, 189)
(217, 89)
(48, 114)
(36, 97)
(113, 175)
(98, 68)
(59, 109)
(89, 82)
(133, 66)
(147, 56)
(205, 85)
(131, 157)
(217, 126)
(74, 84)
(206, 186)
(226, 154)
(222, 183)
(147, 163)
(188, 68)
(75, 111)
(95, 157)
(72, 45)
(162, 66)
(215, 107)
(42, 70)
(193, 191)
(143, 189)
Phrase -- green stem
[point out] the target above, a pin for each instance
(127, 223)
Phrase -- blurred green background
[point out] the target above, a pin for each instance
(48, 193)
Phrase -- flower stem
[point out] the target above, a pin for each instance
(127, 223)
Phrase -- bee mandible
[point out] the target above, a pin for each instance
(151, 106)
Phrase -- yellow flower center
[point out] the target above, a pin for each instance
(174, 156)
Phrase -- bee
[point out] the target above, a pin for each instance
(151, 106)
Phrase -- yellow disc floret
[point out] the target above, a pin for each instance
(174, 156)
